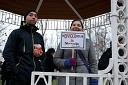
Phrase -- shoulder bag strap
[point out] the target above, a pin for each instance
(83, 59)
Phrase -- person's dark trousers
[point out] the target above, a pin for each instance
(3, 82)
(21, 79)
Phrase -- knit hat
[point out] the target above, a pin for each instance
(27, 12)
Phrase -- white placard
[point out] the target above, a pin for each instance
(72, 40)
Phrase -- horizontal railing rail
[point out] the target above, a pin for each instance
(102, 78)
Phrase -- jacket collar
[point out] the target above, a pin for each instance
(29, 28)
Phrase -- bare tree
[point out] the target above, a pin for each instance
(3, 32)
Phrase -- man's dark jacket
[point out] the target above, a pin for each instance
(18, 51)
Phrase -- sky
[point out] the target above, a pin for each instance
(6, 33)
(50, 36)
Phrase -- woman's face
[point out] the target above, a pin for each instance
(76, 26)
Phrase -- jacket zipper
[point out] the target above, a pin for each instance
(18, 62)
(24, 47)
(33, 49)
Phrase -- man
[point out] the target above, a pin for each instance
(23, 51)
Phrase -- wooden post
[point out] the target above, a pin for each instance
(72, 57)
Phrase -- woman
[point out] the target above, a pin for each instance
(64, 61)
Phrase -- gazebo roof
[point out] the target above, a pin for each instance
(58, 9)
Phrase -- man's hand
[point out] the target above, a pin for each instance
(37, 50)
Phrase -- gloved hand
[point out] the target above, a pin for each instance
(93, 82)
(70, 62)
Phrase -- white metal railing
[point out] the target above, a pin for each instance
(102, 78)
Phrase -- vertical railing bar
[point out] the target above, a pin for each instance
(50, 80)
(84, 80)
(100, 81)
(67, 80)
(32, 78)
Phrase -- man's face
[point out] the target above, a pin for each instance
(31, 18)
(76, 26)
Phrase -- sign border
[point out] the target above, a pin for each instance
(77, 32)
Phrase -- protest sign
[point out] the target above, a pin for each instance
(72, 40)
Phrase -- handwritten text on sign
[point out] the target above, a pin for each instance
(72, 40)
